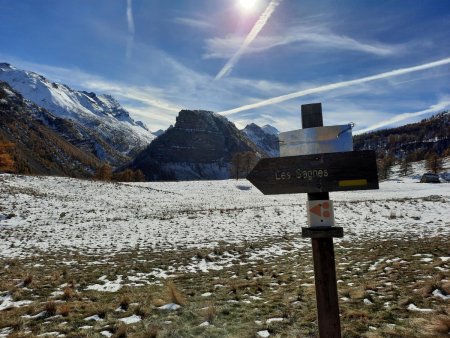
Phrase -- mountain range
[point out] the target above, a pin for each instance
(109, 132)
(58, 130)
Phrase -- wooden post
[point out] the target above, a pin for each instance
(323, 253)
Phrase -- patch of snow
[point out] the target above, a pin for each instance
(106, 333)
(263, 333)
(412, 307)
(170, 306)
(46, 334)
(367, 301)
(271, 320)
(95, 318)
(108, 286)
(374, 265)
(4, 332)
(426, 260)
(131, 319)
(8, 303)
(36, 316)
(438, 293)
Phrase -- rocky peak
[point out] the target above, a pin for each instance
(270, 129)
(199, 146)
(265, 141)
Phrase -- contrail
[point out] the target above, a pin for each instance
(337, 85)
(259, 25)
(400, 117)
(130, 22)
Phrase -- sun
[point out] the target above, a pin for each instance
(247, 5)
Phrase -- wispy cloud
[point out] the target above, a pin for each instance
(317, 36)
(193, 22)
(130, 22)
(440, 106)
(147, 102)
(337, 85)
(259, 25)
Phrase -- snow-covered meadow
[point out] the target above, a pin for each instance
(228, 252)
(53, 213)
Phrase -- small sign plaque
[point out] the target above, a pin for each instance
(320, 213)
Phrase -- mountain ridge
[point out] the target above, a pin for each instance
(102, 114)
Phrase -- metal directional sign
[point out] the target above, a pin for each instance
(353, 170)
(320, 140)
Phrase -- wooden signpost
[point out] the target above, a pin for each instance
(317, 175)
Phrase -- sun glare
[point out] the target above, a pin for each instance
(247, 5)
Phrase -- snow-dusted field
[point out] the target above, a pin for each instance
(53, 213)
(81, 258)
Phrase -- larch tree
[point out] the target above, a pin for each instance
(6, 161)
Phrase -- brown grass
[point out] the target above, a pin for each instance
(50, 308)
(28, 280)
(68, 293)
(174, 295)
(64, 310)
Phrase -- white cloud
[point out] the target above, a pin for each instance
(259, 25)
(440, 106)
(193, 22)
(337, 85)
(315, 36)
(130, 22)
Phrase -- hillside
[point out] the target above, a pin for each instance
(39, 147)
(415, 139)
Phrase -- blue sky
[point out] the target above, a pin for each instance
(158, 57)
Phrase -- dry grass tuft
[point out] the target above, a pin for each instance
(124, 302)
(141, 311)
(174, 295)
(50, 308)
(64, 310)
(68, 293)
(446, 287)
(28, 280)
(210, 313)
(439, 326)
(120, 331)
(151, 332)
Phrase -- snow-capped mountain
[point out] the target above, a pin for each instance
(270, 130)
(266, 138)
(43, 143)
(100, 113)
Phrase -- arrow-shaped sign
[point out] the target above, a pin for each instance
(353, 170)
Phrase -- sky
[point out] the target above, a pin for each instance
(374, 63)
